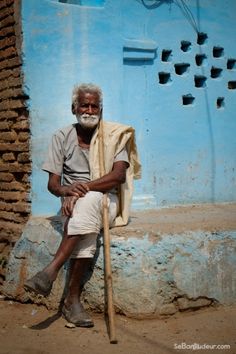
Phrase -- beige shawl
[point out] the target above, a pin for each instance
(116, 137)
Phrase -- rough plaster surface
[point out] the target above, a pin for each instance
(154, 273)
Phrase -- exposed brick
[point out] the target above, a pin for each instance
(23, 136)
(5, 125)
(20, 168)
(3, 4)
(7, 31)
(14, 196)
(21, 125)
(25, 178)
(10, 73)
(15, 167)
(12, 186)
(8, 157)
(10, 63)
(6, 215)
(14, 147)
(6, 177)
(5, 12)
(9, 52)
(11, 227)
(11, 104)
(10, 93)
(3, 245)
(23, 157)
(9, 20)
(9, 83)
(8, 136)
(5, 206)
(10, 2)
(7, 42)
(14, 130)
(8, 114)
(19, 207)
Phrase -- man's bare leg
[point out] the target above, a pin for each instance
(41, 283)
(73, 309)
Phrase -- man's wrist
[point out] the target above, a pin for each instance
(62, 191)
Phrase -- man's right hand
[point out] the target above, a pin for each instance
(77, 189)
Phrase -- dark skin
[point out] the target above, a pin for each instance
(88, 103)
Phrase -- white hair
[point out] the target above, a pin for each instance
(85, 88)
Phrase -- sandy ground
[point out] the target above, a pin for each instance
(32, 329)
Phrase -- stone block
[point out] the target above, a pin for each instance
(12, 186)
(11, 104)
(8, 114)
(168, 309)
(21, 125)
(13, 196)
(8, 157)
(11, 92)
(7, 42)
(14, 146)
(13, 73)
(6, 177)
(23, 157)
(23, 136)
(5, 125)
(9, 20)
(9, 83)
(186, 304)
(8, 136)
(9, 63)
(150, 271)
(9, 52)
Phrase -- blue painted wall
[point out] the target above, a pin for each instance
(130, 48)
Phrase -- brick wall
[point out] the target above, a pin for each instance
(15, 166)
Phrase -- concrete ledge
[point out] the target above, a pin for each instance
(164, 261)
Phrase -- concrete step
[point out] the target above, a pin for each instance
(164, 261)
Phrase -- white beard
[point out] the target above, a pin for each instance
(88, 121)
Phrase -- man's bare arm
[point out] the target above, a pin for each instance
(111, 180)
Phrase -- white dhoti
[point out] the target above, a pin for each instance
(87, 221)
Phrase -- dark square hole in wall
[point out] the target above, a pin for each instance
(232, 85)
(166, 55)
(200, 81)
(181, 68)
(220, 102)
(200, 58)
(215, 72)
(218, 52)
(164, 78)
(231, 64)
(187, 99)
(185, 46)
(201, 38)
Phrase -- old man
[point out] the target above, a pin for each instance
(75, 176)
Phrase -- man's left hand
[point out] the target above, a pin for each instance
(68, 205)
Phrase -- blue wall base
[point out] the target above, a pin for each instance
(154, 273)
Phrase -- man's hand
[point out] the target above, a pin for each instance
(77, 189)
(68, 205)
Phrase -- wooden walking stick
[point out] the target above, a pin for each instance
(106, 245)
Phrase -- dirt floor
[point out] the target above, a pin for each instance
(32, 329)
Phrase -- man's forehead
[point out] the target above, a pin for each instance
(88, 96)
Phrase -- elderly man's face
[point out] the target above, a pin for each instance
(88, 112)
